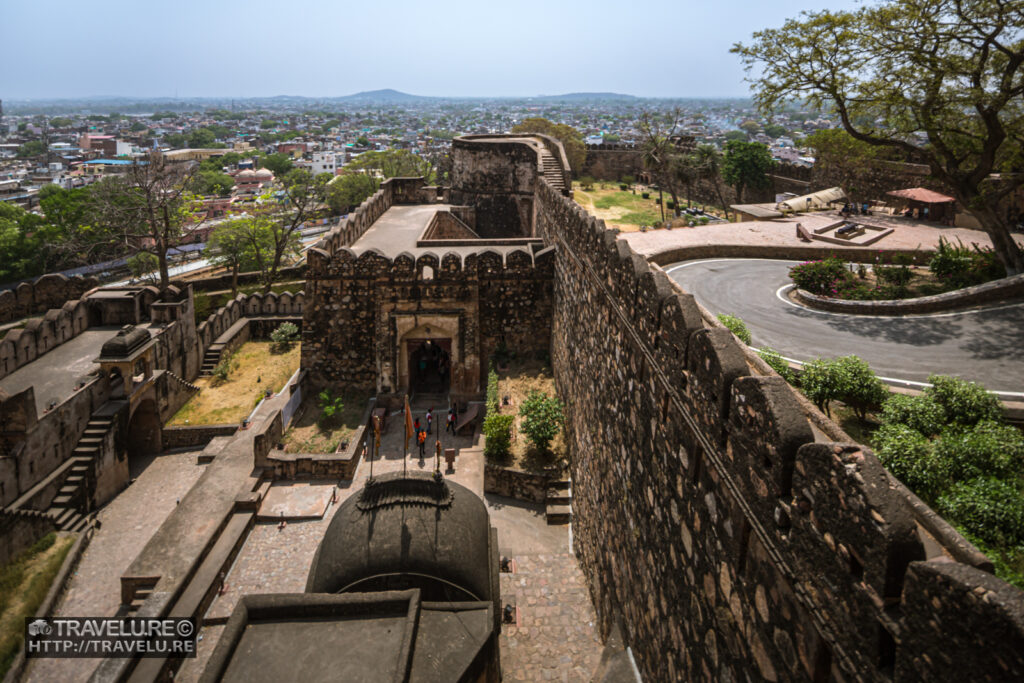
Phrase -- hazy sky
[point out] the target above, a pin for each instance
(236, 48)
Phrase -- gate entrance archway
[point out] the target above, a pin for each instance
(430, 367)
(144, 431)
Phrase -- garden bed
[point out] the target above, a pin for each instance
(307, 434)
(515, 382)
(256, 368)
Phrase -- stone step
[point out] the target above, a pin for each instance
(558, 514)
(558, 497)
(64, 514)
(560, 484)
(74, 479)
(68, 490)
(62, 500)
(77, 523)
(94, 431)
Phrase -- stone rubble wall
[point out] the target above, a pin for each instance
(348, 329)
(21, 346)
(732, 545)
(46, 292)
(286, 305)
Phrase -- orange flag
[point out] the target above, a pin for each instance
(408, 423)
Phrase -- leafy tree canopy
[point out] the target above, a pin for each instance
(941, 81)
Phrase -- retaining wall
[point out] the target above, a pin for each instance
(515, 484)
(1005, 289)
(195, 436)
(732, 545)
(21, 346)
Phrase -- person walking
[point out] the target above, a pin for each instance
(421, 438)
(450, 426)
(430, 420)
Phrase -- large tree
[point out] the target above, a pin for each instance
(571, 139)
(660, 155)
(348, 190)
(939, 80)
(245, 242)
(746, 164)
(149, 206)
(710, 160)
(394, 163)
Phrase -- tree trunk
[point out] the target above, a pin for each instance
(1005, 247)
(234, 280)
(721, 199)
(661, 202)
(165, 276)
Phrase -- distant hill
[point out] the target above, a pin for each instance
(579, 96)
(387, 95)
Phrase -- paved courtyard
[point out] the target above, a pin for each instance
(126, 524)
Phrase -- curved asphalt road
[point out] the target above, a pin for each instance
(983, 345)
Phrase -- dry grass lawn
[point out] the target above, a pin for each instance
(516, 383)
(255, 371)
(305, 435)
(23, 587)
(623, 209)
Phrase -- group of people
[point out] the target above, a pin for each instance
(422, 429)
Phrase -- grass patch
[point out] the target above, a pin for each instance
(516, 383)
(305, 435)
(861, 431)
(257, 370)
(623, 209)
(24, 583)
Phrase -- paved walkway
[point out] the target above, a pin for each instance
(127, 523)
(556, 637)
(53, 375)
(907, 234)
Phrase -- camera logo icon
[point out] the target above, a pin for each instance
(40, 627)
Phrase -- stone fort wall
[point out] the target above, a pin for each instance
(706, 517)
(42, 294)
(351, 330)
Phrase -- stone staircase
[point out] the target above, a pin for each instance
(558, 502)
(552, 170)
(70, 508)
(210, 360)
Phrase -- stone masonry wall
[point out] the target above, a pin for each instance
(20, 346)
(733, 546)
(44, 293)
(351, 334)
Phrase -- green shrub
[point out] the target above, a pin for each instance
(645, 195)
(911, 458)
(736, 326)
(986, 449)
(492, 391)
(917, 412)
(959, 266)
(777, 363)
(542, 417)
(989, 508)
(628, 180)
(965, 402)
(497, 431)
(222, 371)
(331, 408)
(820, 277)
(587, 182)
(848, 379)
(703, 220)
(284, 336)
(899, 276)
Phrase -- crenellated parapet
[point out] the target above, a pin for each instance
(733, 539)
(22, 345)
(46, 292)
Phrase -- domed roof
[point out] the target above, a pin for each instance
(247, 174)
(264, 173)
(128, 339)
(407, 531)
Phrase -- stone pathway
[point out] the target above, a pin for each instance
(556, 638)
(127, 523)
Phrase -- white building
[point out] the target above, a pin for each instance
(327, 162)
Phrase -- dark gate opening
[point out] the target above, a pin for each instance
(430, 368)
(144, 433)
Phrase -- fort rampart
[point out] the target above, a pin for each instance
(42, 294)
(731, 544)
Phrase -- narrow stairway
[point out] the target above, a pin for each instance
(552, 170)
(71, 505)
(558, 502)
(210, 360)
